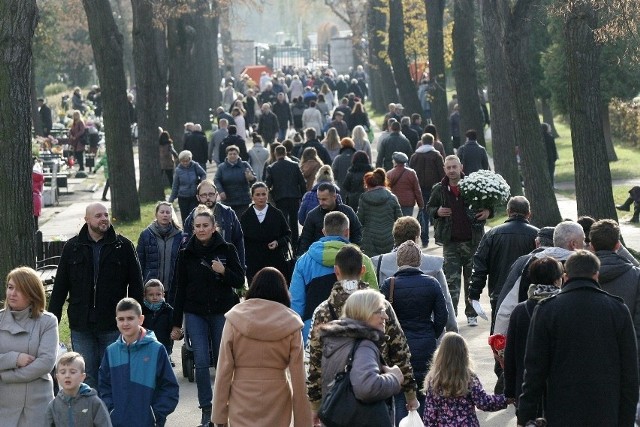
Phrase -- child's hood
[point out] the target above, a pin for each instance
(146, 337)
(83, 391)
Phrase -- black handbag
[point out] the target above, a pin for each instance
(341, 408)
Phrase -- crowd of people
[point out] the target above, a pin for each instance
(329, 241)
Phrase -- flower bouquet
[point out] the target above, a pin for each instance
(483, 190)
(498, 343)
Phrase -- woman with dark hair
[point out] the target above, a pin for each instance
(261, 340)
(378, 210)
(266, 233)
(353, 185)
(437, 144)
(28, 348)
(208, 270)
(78, 138)
(168, 155)
(358, 117)
(546, 278)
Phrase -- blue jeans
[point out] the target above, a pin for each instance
(203, 330)
(282, 134)
(91, 345)
(424, 224)
(407, 210)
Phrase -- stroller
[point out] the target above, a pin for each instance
(188, 359)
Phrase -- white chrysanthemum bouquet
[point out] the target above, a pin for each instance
(484, 189)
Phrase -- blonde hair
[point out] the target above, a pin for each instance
(361, 305)
(332, 140)
(27, 281)
(451, 368)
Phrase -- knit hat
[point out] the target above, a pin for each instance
(408, 253)
(545, 235)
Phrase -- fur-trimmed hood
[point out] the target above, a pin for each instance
(337, 334)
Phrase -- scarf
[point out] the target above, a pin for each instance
(540, 292)
(154, 306)
(164, 231)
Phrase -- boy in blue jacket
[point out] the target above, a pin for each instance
(136, 381)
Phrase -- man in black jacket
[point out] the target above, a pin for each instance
(45, 117)
(287, 186)
(312, 141)
(97, 269)
(312, 229)
(581, 354)
(268, 125)
(499, 248)
(196, 142)
(282, 110)
(233, 139)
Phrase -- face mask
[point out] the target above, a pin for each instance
(153, 306)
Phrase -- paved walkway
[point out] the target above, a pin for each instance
(65, 220)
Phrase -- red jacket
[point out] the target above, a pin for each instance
(403, 182)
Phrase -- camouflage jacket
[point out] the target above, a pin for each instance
(395, 351)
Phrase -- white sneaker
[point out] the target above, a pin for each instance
(472, 321)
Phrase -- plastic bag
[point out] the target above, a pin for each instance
(411, 420)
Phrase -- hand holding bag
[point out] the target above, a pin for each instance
(341, 408)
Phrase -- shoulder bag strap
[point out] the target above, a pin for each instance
(378, 267)
(347, 367)
(393, 183)
(392, 287)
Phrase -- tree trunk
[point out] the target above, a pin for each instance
(464, 68)
(547, 115)
(194, 74)
(384, 89)
(33, 99)
(606, 128)
(124, 18)
(435, 42)
(502, 128)
(406, 87)
(150, 57)
(224, 16)
(18, 20)
(538, 186)
(594, 195)
(107, 44)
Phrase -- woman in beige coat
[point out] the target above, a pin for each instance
(260, 340)
(28, 349)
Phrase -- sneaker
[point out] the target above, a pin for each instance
(472, 321)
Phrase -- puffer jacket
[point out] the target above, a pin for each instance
(185, 180)
(378, 210)
(158, 254)
(199, 289)
(84, 409)
(416, 297)
(231, 181)
(368, 382)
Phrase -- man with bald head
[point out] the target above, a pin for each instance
(96, 270)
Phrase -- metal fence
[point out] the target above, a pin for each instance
(276, 57)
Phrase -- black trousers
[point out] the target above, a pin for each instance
(289, 208)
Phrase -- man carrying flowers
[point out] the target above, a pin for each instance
(459, 229)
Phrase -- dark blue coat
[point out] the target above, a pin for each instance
(416, 296)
